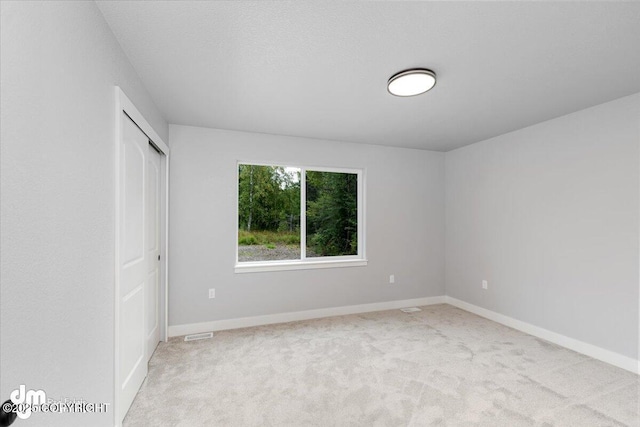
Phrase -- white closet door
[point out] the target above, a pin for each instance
(133, 261)
(152, 326)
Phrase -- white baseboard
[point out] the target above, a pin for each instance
(590, 350)
(269, 319)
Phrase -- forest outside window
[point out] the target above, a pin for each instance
(294, 217)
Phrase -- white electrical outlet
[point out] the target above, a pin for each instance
(392, 279)
(485, 284)
(212, 293)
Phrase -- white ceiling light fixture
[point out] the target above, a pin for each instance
(411, 82)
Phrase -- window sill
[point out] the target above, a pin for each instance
(255, 267)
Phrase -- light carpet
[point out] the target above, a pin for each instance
(439, 366)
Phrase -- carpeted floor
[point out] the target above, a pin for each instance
(440, 366)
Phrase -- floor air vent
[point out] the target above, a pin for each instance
(410, 309)
(202, 336)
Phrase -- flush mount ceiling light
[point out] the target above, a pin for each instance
(411, 82)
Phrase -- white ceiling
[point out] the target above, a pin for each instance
(319, 69)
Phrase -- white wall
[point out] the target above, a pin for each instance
(405, 222)
(59, 64)
(549, 215)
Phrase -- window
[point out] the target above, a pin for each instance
(294, 217)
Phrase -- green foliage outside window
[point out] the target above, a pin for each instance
(269, 200)
(332, 213)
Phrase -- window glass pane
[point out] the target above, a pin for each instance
(268, 213)
(332, 213)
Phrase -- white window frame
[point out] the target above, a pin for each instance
(305, 263)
